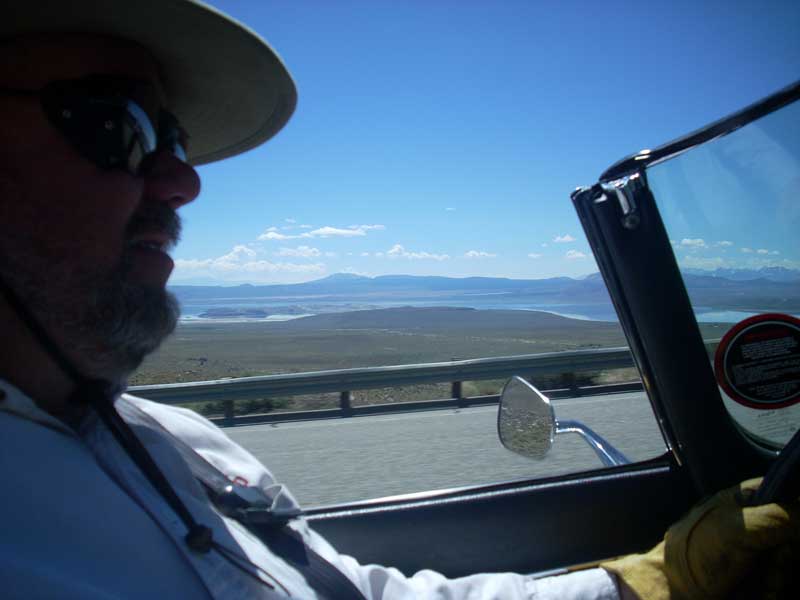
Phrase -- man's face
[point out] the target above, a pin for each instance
(80, 244)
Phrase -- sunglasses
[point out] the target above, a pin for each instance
(101, 120)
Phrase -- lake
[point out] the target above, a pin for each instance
(191, 311)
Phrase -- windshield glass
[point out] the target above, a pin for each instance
(731, 209)
(415, 211)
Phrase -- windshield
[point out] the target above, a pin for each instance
(730, 207)
(415, 211)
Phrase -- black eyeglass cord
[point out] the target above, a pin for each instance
(99, 395)
(199, 537)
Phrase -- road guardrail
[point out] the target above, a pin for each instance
(345, 381)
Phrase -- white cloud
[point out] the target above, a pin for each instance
(707, 263)
(574, 255)
(563, 239)
(290, 221)
(238, 253)
(271, 234)
(351, 231)
(544, 245)
(398, 251)
(673, 242)
(479, 254)
(368, 227)
(322, 232)
(534, 255)
(450, 209)
(305, 226)
(304, 252)
(693, 242)
(747, 250)
(365, 254)
(762, 251)
(751, 262)
(758, 262)
(335, 232)
(239, 262)
(265, 266)
(300, 251)
(724, 243)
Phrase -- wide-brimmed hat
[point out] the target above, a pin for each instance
(228, 88)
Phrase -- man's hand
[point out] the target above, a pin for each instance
(721, 547)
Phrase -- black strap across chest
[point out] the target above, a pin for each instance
(273, 530)
(325, 579)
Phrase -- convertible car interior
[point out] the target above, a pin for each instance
(719, 426)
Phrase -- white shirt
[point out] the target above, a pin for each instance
(80, 520)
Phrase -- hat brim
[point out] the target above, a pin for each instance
(227, 86)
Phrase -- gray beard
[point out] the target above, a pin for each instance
(101, 321)
(104, 324)
(131, 320)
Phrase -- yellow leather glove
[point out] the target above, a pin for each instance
(719, 549)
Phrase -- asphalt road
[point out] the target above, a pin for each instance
(341, 460)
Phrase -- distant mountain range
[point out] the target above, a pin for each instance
(345, 286)
(764, 289)
(769, 273)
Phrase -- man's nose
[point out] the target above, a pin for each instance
(169, 179)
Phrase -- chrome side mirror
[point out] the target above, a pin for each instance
(527, 425)
(526, 422)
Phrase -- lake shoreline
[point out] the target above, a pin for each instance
(598, 313)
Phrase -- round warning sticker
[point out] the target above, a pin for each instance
(757, 362)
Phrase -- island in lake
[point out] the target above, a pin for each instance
(237, 312)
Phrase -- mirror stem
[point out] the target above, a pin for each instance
(610, 456)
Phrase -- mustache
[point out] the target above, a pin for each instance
(155, 217)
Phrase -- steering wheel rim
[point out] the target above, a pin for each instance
(782, 481)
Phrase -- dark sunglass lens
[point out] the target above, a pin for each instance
(179, 151)
(93, 125)
(142, 126)
(103, 125)
(171, 135)
(136, 156)
(101, 121)
(140, 138)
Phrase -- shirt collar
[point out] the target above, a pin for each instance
(16, 402)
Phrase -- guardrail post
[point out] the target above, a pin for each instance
(457, 393)
(345, 400)
(230, 417)
(572, 385)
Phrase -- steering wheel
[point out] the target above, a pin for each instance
(782, 481)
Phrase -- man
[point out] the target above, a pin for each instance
(112, 496)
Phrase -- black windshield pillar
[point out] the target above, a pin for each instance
(635, 258)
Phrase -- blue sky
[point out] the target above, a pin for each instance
(733, 202)
(445, 137)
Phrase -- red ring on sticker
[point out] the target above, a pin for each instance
(757, 362)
